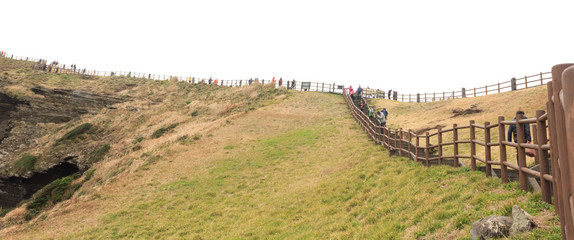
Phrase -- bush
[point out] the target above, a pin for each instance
(71, 135)
(25, 163)
(160, 132)
(99, 154)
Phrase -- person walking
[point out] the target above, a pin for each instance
(351, 92)
(293, 84)
(512, 132)
(359, 92)
(280, 82)
(384, 111)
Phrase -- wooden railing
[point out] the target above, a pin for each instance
(418, 147)
(552, 134)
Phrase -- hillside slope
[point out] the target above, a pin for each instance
(258, 163)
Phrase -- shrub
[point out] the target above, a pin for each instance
(76, 132)
(25, 163)
(99, 154)
(160, 132)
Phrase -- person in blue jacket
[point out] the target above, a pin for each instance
(512, 132)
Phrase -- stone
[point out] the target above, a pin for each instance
(491, 227)
(521, 221)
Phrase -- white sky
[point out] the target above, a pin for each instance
(409, 46)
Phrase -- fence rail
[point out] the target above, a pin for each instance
(72, 69)
(552, 136)
(525, 82)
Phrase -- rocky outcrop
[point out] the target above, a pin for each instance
(19, 117)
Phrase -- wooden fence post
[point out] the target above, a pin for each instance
(455, 146)
(534, 135)
(427, 150)
(543, 157)
(513, 84)
(521, 156)
(502, 149)
(410, 142)
(472, 146)
(487, 155)
(401, 142)
(541, 79)
(440, 146)
(417, 148)
(525, 82)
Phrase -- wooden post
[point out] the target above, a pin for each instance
(513, 85)
(521, 156)
(486, 89)
(455, 146)
(475, 92)
(533, 133)
(417, 148)
(427, 150)
(502, 149)
(395, 138)
(443, 96)
(555, 151)
(440, 146)
(525, 82)
(487, 155)
(543, 158)
(472, 147)
(433, 97)
(541, 79)
(410, 97)
(425, 97)
(323, 87)
(401, 143)
(410, 141)
(498, 87)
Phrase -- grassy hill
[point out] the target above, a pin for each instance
(255, 163)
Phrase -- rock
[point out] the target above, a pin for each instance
(521, 221)
(491, 227)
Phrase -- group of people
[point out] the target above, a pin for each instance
(379, 116)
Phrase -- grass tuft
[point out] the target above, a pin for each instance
(160, 132)
(99, 154)
(25, 163)
(71, 135)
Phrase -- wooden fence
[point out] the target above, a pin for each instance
(527, 81)
(554, 169)
(300, 86)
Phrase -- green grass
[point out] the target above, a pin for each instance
(98, 154)
(283, 187)
(25, 163)
(160, 132)
(71, 135)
